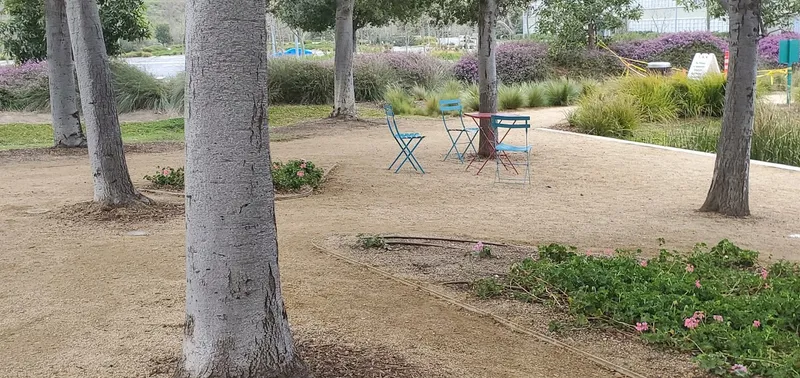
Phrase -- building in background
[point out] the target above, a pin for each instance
(667, 16)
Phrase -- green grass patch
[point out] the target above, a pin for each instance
(776, 134)
(19, 135)
(717, 303)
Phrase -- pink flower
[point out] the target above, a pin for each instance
(303, 166)
(697, 284)
(691, 323)
(756, 323)
(588, 253)
(641, 327)
(718, 318)
(609, 252)
(643, 263)
(739, 369)
(166, 172)
(300, 173)
(689, 268)
(478, 246)
(764, 274)
(699, 315)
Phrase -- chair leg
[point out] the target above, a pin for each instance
(454, 146)
(402, 151)
(471, 143)
(410, 157)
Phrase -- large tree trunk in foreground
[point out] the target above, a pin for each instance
(61, 73)
(729, 192)
(344, 95)
(487, 73)
(112, 183)
(236, 323)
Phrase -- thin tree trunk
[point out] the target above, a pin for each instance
(112, 183)
(236, 323)
(61, 73)
(729, 192)
(487, 74)
(591, 42)
(355, 38)
(344, 96)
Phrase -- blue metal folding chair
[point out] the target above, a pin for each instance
(503, 149)
(408, 142)
(455, 133)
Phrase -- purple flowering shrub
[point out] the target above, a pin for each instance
(768, 48)
(24, 87)
(676, 48)
(517, 62)
(466, 69)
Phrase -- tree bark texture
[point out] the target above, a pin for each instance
(729, 192)
(344, 96)
(487, 74)
(236, 322)
(67, 130)
(112, 183)
(591, 42)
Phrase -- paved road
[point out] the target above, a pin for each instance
(160, 66)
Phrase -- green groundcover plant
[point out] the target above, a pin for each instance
(286, 177)
(739, 318)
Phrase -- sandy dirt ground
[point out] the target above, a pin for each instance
(84, 299)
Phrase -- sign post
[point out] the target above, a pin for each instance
(789, 54)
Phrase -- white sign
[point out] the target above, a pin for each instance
(702, 65)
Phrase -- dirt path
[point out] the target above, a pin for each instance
(86, 300)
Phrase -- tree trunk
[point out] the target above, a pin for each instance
(344, 95)
(112, 183)
(487, 74)
(591, 41)
(355, 38)
(61, 73)
(729, 192)
(236, 323)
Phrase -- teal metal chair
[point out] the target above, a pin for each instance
(454, 132)
(505, 149)
(408, 142)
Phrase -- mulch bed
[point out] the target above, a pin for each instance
(333, 358)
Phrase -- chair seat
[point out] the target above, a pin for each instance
(408, 135)
(512, 148)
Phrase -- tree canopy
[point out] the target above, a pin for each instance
(466, 11)
(577, 22)
(320, 15)
(774, 13)
(163, 34)
(23, 34)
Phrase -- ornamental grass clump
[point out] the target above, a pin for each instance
(606, 115)
(721, 304)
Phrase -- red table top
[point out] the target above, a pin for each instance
(483, 115)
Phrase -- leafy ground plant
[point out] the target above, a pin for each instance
(295, 175)
(167, 177)
(371, 241)
(737, 317)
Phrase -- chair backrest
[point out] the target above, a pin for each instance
(390, 120)
(511, 122)
(448, 106)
